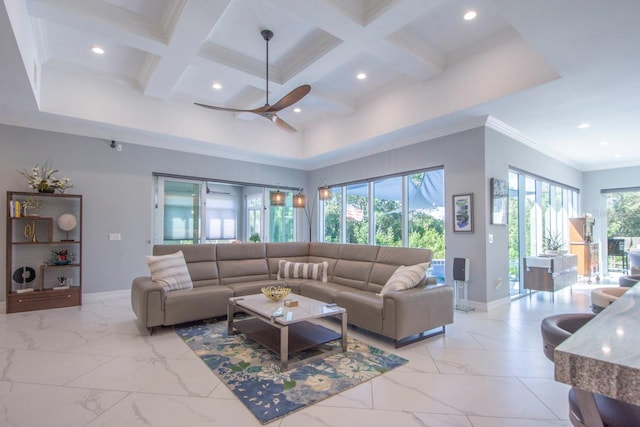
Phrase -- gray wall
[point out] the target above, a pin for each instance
(117, 189)
(118, 192)
(470, 159)
(462, 156)
(503, 152)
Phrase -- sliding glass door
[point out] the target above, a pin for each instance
(537, 207)
(192, 211)
(179, 212)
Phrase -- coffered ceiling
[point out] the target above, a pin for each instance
(535, 70)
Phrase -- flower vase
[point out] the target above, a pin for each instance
(46, 190)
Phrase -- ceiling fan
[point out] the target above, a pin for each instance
(269, 111)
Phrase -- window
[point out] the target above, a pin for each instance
(357, 214)
(332, 225)
(255, 206)
(387, 211)
(403, 210)
(537, 207)
(425, 211)
(221, 217)
(180, 212)
(281, 220)
(202, 211)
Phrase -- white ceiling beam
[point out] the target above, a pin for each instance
(95, 17)
(191, 29)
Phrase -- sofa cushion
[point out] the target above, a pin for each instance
(170, 271)
(364, 308)
(302, 270)
(405, 277)
(320, 291)
(200, 259)
(354, 266)
(389, 259)
(200, 303)
(291, 251)
(254, 287)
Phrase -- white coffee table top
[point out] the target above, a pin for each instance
(307, 308)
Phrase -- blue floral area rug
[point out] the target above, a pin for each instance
(252, 372)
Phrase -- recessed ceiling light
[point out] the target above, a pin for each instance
(618, 156)
(297, 110)
(216, 86)
(603, 143)
(97, 50)
(584, 126)
(361, 76)
(470, 15)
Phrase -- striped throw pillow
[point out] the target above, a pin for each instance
(405, 277)
(302, 270)
(170, 271)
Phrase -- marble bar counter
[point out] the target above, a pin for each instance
(604, 355)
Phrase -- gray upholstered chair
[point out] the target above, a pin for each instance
(559, 327)
(628, 281)
(634, 262)
(613, 413)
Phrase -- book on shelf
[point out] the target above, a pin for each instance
(24, 290)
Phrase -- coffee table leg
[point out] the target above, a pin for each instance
(230, 309)
(343, 317)
(284, 348)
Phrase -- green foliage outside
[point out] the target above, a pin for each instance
(425, 231)
(623, 214)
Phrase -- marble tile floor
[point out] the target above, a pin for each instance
(95, 366)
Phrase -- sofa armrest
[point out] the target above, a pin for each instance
(147, 301)
(410, 312)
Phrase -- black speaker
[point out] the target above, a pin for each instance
(461, 269)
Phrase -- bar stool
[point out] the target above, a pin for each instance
(601, 298)
(628, 281)
(613, 413)
(559, 327)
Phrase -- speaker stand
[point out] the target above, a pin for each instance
(459, 306)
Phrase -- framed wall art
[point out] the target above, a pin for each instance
(499, 201)
(463, 213)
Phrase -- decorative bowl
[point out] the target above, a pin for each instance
(275, 293)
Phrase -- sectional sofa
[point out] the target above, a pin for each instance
(355, 276)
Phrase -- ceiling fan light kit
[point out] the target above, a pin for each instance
(269, 111)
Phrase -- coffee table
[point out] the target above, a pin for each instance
(287, 330)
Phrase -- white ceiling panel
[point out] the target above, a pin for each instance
(538, 67)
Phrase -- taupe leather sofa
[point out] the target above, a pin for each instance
(356, 273)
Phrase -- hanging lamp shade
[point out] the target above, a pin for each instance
(299, 200)
(324, 192)
(277, 198)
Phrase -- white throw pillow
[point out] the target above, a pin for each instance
(302, 270)
(170, 271)
(405, 277)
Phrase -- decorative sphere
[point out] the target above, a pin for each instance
(67, 222)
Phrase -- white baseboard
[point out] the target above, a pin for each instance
(486, 307)
(96, 296)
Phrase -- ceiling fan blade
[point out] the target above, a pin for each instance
(273, 117)
(258, 110)
(283, 125)
(291, 98)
